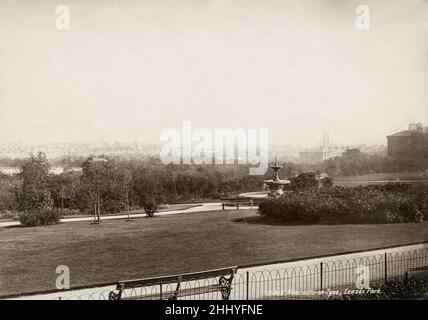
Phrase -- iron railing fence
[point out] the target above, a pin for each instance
(294, 280)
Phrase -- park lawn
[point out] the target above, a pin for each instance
(163, 245)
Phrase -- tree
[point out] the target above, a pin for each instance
(94, 177)
(8, 201)
(34, 197)
(107, 183)
(34, 192)
(65, 190)
(124, 181)
(116, 196)
(148, 188)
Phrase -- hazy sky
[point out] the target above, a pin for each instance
(128, 69)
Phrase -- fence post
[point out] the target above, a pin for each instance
(321, 267)
(386, 268)
(248, 285)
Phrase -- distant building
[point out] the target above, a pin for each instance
(69, 149)
(325, 152)
(320, 154)
(411, 142)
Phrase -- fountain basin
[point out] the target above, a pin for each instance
(254, 195)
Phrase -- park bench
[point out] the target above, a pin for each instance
(203, 283)
(235, 202)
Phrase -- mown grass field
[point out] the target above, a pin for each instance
(171, 244)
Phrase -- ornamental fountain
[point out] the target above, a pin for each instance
(275, 186)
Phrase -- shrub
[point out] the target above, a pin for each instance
(306, 180)
(415, 288)
(6, 214)
(362, 204)
(150, 206)
(421, 199)
(112, 205)
(405, 289)
(326, 182)
(404, 211)
(69, 212)
(39, 217)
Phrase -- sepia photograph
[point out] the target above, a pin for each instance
(214, 150)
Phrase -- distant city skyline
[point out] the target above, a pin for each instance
(125, 73)
(59, 150)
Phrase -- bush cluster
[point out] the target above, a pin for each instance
(40, 217)
(69, 212)
(415, 288)
(391, 203)
(7, 214)
(150, 206)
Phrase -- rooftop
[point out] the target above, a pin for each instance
(408, 133)
(404, 133)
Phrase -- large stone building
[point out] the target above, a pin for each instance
(409, 143)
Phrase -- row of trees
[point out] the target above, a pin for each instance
(107, 185)
(354, 162)
(110, 185)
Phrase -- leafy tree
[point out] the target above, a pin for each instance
(94, 178)
(116, 195)
(65, 189)
(148, 188)
(34, 192)
(7, 193)
(34, 197)
(107, 183)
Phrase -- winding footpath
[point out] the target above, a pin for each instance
(203, 207)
